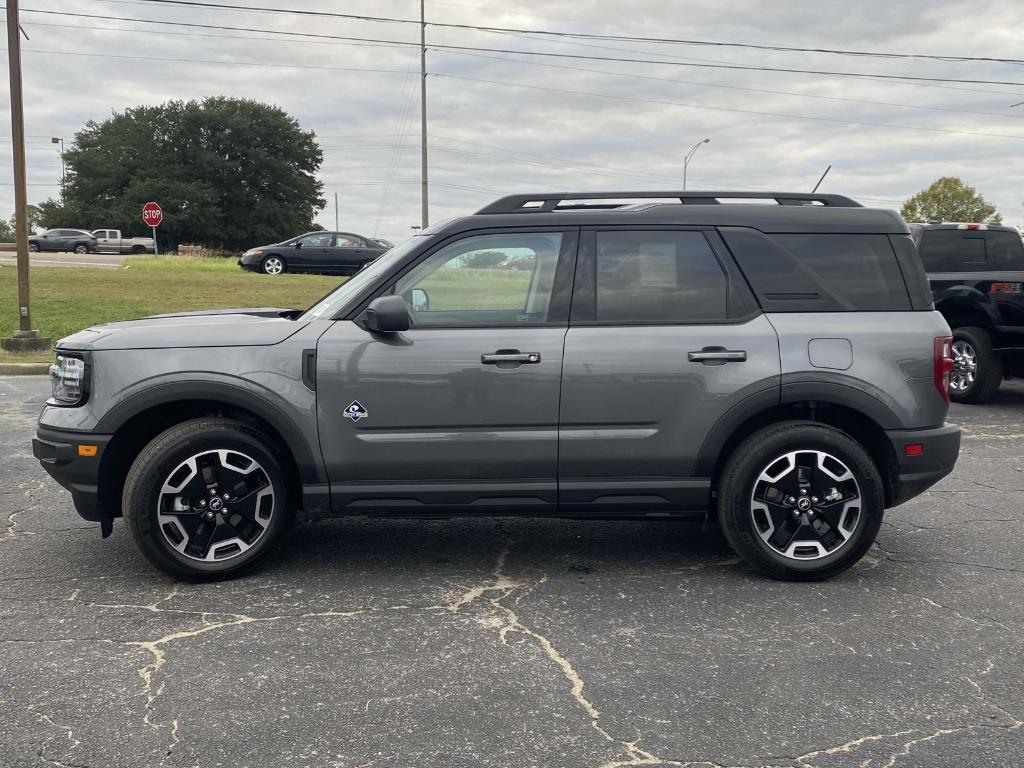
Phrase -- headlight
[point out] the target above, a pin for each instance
(253, 252)
(67, 380)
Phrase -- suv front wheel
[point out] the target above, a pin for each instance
(977, 368)
(800, 500)
(207, 499)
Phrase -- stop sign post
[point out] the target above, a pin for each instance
(153, 215)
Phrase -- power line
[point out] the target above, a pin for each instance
(481, 49)
(770, 91)
(730, 109)
(592, 36)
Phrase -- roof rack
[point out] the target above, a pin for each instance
(546, 202)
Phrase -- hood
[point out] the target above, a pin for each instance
(261, 326)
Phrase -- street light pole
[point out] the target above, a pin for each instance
(424, 183)
(26, 339)
(689, 157)
(63, 170)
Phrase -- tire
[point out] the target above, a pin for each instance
(770, 536)
(33, 247)
(186, 458)
(977, 367)
(81, 249)
(273, 265)
(138, 249)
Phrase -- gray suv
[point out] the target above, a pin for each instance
(778, 364)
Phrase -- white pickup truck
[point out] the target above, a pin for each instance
(110, 241)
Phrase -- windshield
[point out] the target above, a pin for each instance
(333, 302)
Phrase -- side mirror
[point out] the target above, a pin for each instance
(420, 300)
(387, 314)
(298, 244)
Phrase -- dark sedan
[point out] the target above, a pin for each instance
(72, 240)
(328, 253)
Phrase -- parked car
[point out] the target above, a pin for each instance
(111, 241)
(976, 273)
(72, 240)
(328, 253)
(779, 365)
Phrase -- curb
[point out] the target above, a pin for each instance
(24, 369)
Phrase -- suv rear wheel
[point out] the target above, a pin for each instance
(977, 367)
(800, 500)
(207, 499)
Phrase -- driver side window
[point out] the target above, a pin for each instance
(485, 280)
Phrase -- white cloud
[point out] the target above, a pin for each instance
(490, 139)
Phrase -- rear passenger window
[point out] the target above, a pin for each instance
(820, 272)
(956, 250)
(659, 277)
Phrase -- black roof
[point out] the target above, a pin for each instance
(794, 212)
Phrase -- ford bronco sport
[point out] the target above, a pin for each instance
(777, 362)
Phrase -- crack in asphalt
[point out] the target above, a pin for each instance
(69, 734)
(152, 687)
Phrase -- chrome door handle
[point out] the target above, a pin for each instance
(523, 358)
(718, 356)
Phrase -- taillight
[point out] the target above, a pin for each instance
(972, 227)
(943, 364)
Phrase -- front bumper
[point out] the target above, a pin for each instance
(251, 263)
(915, 474)
(58, 453)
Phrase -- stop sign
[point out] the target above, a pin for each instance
(152, 214)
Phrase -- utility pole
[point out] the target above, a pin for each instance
(26, 339)
(337, 226)
(424, 182)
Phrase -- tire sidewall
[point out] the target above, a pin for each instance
(749, 461)
(165, 453)
(81, 249)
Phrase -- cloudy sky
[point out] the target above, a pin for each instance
(503, 121)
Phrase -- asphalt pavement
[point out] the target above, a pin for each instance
(519, 642)
(48, 259)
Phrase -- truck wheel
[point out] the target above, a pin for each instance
(273, 265)
(81, 248)
(207, 499)
(137, 249)
(800, 500)
(977, 367)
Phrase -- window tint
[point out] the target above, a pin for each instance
(957, 250)
(668, 277)
(820, 273)
(486, 280)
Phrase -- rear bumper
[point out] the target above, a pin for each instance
(57, 452)
(915, 474)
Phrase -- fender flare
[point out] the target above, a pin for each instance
(310, 468)
(964, 296)
(823, 388)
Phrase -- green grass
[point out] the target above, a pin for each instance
(68, 299)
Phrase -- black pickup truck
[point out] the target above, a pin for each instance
(976, 273)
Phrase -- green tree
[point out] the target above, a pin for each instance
(7, 231)
(228, 173)
(949, 199)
